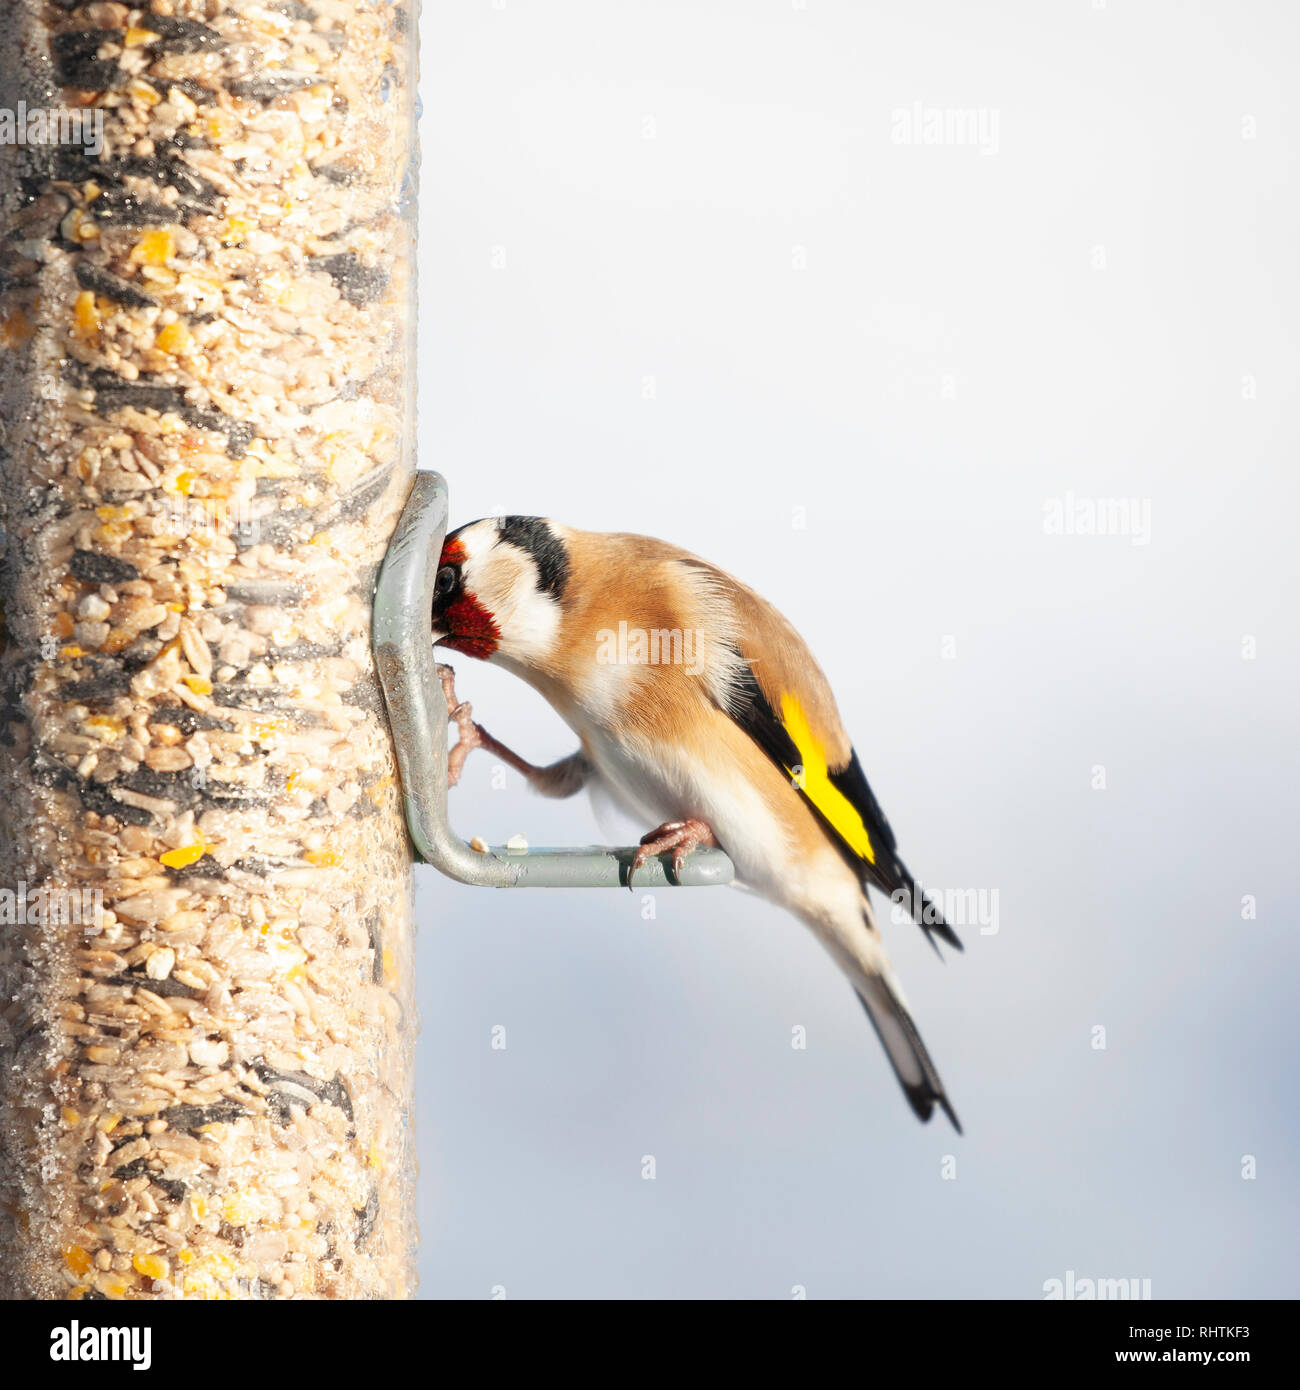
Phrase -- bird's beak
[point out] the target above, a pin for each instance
(439, 636)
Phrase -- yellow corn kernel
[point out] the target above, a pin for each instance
(113, 533)
(143, 93)
(77, 1259)
(185, 1255)
(86, 316)
(70, 1116)
(17, 329)
(237, 1211)
(108, 1122)
(137, 37)
(72, 653)
(184, 482)
(324, 858)
(238, 229)
(200, 685)
(154, 248)
(209, 1277)
(175, 338)
(288, 957)
(111, 1286)
(151, 1266)
(183, 858)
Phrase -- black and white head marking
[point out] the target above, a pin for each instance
(533, 535)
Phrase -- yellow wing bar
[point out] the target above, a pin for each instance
(815, 782)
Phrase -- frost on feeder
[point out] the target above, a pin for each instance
(205, 422)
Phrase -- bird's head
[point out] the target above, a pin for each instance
(499, 589)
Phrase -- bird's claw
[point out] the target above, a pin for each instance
(468, 734)
(680, 836)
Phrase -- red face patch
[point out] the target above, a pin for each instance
(453, 552)
(472, 629)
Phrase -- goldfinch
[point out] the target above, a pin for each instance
(702, 711)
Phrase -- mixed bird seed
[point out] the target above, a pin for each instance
(205, 920)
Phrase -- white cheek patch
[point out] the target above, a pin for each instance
(530, 622)
(504, 581)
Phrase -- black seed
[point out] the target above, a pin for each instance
(166, 989)
(122, 208)
(365, 492)
(174, 174)
(269, 86)
(206, 867)
(293, 9)
(101, 281)
(336, 1093)
(140, 653)
(358, 283)
(192, 1117)
(89, 76)
(190, 721)
(99, 800)
(103, 687)
(367, 1216)
(82, 43)
(338, 173)
(183, 35)
(75, 62)
(376, 948)
(112, 393)
(95, 568)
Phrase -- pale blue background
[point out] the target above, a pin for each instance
(930, 273)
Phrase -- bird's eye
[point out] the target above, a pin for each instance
(445, 582)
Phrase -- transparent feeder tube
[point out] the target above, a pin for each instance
(206, 407)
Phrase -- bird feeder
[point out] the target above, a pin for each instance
(206, 433)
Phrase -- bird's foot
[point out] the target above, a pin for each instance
(680, 836)
(469, 735)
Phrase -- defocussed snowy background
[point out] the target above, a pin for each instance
(701, 270)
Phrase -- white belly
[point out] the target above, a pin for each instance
(670, 787)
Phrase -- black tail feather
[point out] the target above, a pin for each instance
(907, 1054)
